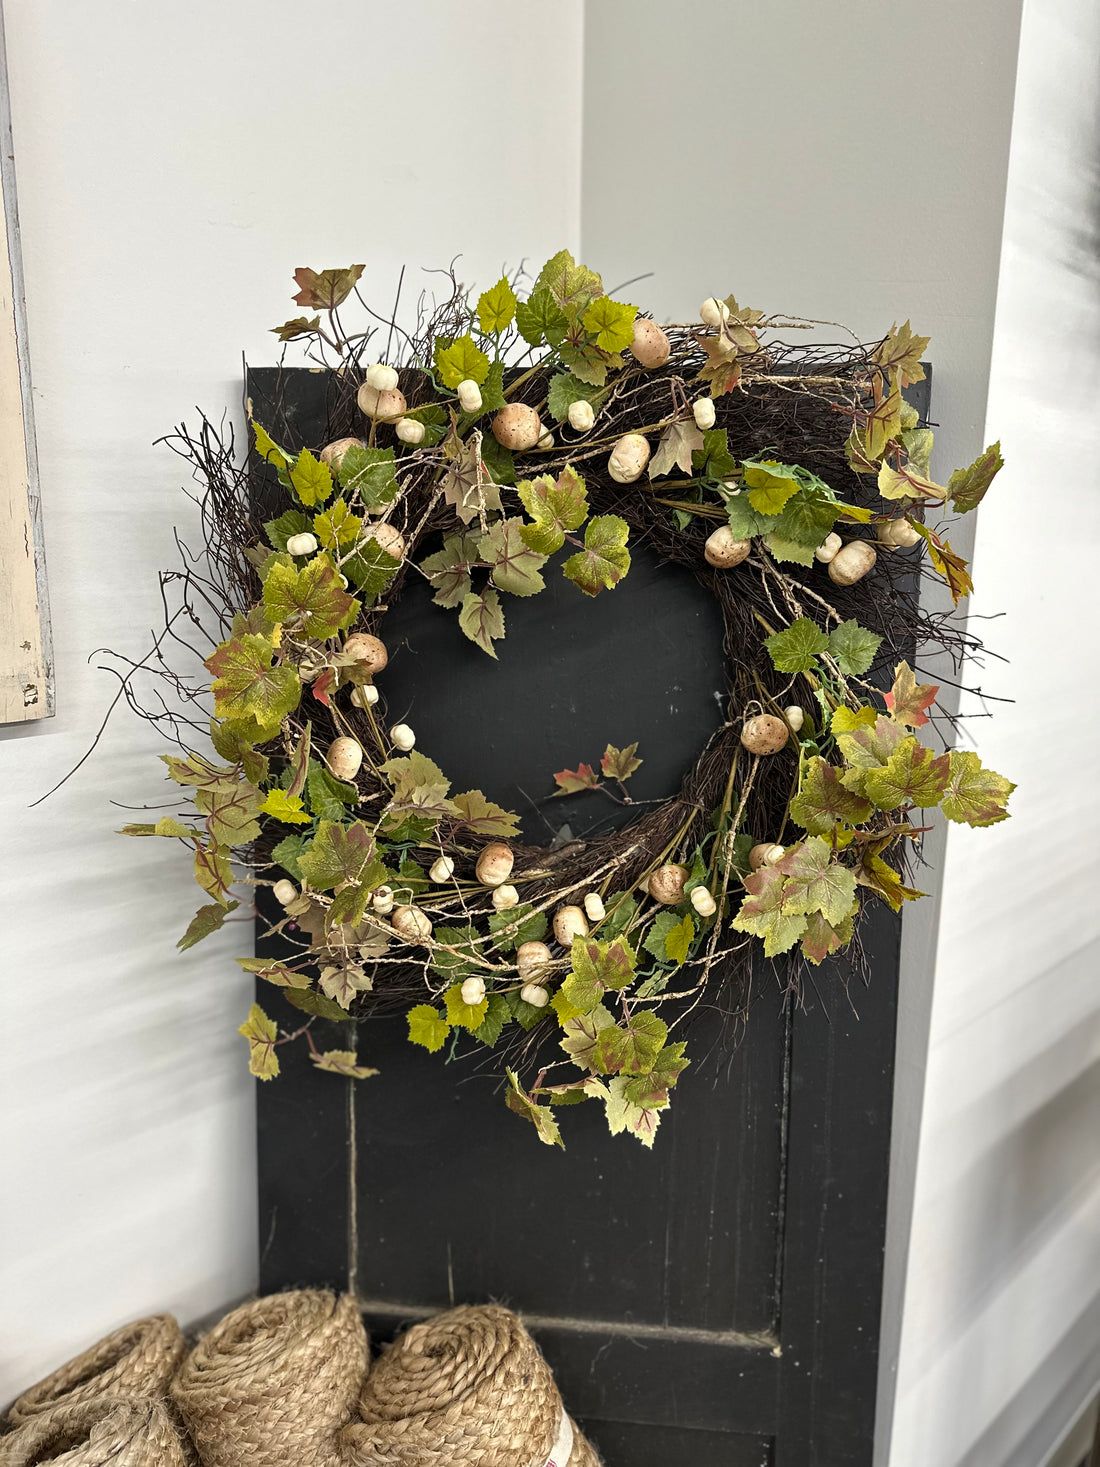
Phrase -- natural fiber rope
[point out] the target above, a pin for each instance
(137, 1360)
(468, 1387)
(107, 1431)
(273, 1382)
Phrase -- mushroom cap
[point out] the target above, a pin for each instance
(723, 549)
(411, 923)
(333, 453)
(667, 884)
(852, 562)
(389, 538)
(389, 403)
(650, 347)
(765, 734)
(494, 865)
(628, 458)
(897, 534)
(828, 547)
(344, 757)
(517, 426)
(767, 853)
(569, 922)
(531, 956)
(368, 650)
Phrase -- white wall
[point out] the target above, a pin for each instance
(174, 166)
(1001, 1338)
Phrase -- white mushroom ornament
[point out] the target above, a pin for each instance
(852, 562)
(764, 734)
(651, 346)
(494, 865)
(723, 549)
(517, 427)
(628, 458)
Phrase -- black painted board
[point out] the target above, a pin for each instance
(648, 1446)
(458, 1201)
(842, 1065)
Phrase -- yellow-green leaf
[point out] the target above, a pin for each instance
(496, 307)
(462, 361)
(261, 1033)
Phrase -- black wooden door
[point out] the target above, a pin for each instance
(715, 1301)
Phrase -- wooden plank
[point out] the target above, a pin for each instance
(26, 659)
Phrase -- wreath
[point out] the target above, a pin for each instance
(503, 438)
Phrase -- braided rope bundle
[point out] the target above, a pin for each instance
(137, 1360)
(468, 1387)
(104, 1431)
(273, 1382)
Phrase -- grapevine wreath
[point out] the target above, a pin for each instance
(500, 440)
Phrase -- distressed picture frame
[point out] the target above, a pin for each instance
(26, 654)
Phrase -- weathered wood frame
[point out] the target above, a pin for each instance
(26, 653)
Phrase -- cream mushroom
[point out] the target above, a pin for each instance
(344, 758)
(494, 865)
(764, 734)
(723, 549)
(628, 458)
(650, 347)
(517, 427)
(666, 885)
(411, 924)
(569, 922)
(851, 563)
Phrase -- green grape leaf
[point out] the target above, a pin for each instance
(845, 719)
(310, 600)
(328, 795)
(292, 522)
(516, 926)
(815, 882)
(632, 1047)
(866, 749)
(580, 1032)
(456, 965)
(588, 362)
(907, 700)
(286, 854)
(309, 1001)
(370, 570)
(540, 318)
(975, 796)
(336, 527)
(564, 390)
(676, 448)
(310, 479)
(651, 1090)
(261, 1033)
(206, 920)
(515, 566)
(572, 286)
(482, 619)
(801, 526)
(541, 1116)
(481, 816)
(605, 560)
(874, 873)
(596, 968)
(913, 774)
(428, 1027)
(231, 814)
(656, 939)
(498, 461)
(497, 1015)
(821, 939)
(906, 483)
(966, 488)
(744, 521)
(917, 443)
(213, 872)
(460, 361)
(557, 506)
(797, 647)
(370, 474)
(496, 308)
(823, 802)
(342, 1062)
(620, 763)
(901, 352)
(770, 484)
(248, 689)
(610, 322)
(679, 940)
(324, 290)
(466, 485)
(286, 808)
(410, 881)
(279, 458)
(714, 460)
(416, 779)
(624, 1115)
(449, 569)
(230, 745)
(854, 647)
(338, 853)
(492, 395)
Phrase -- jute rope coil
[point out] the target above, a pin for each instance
(468, 1387)
(107, 1431)
(273, 1382)
(137, 1360)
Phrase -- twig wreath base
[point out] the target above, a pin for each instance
(499, 436)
